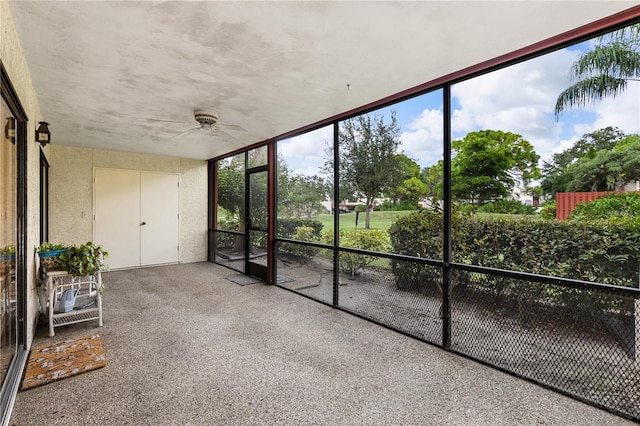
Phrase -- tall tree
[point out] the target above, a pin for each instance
(603, 71)
(554, 172)
(489, 163)
(231, 192)
(368, 160)
(608, 169)
(407, 169)
(306, 194)
(230, 182)
(432, 177)
(412, 191)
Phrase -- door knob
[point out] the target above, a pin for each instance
(143, 223)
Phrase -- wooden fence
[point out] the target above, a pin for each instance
(567, 201)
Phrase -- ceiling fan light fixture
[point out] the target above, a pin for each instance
(206, 117)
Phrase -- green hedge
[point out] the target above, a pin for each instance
(224, 239)
(420, 234)
(600, 252)
(287, 227)
(365, 239)
(304, 252)
(616, 207)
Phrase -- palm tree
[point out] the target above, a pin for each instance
(603, 71)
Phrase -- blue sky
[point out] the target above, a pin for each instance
(519, 99)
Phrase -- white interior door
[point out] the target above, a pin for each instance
(159, 210)
(136, 217)
(117, 216)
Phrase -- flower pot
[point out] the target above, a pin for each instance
(49, 260)
(7, 263)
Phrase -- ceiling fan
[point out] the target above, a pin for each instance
(207, 122)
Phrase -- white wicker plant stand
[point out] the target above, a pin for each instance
(88, 305)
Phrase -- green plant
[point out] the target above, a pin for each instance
(506, 207)
(287, 227)
(421, 234)
(7, 258)
(548, 211)
(10, 249)
(370, 239)
(83, 260)
(605, 252)
(305, 252)
(45, 246)
(620, 205)
(49, 254)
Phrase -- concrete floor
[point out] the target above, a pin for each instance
(186, 346)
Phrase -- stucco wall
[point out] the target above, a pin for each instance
(71, 194)
(15, 65)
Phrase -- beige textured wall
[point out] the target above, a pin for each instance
(15, 65)
(193, 209)
(71, 194)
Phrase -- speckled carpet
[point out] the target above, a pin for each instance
(60, 360)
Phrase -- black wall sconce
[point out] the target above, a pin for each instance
(43, 135)
(10, 130)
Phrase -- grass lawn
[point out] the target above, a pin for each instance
(383, 220)
(379, 220)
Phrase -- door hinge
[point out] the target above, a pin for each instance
(178, 248)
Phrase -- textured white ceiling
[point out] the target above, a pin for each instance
(104, 71)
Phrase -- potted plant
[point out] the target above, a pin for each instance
(49, 255)
(7, 259)
(82, 260)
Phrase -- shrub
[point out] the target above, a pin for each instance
(225, 239)
(305, 252)
(231, 224)
(287, 227)
(507, 207)
(621, 205)
(548, 211)
(601, 252)
(421, 234)
(368, 239)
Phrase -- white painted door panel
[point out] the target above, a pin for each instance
(159, 209)
(117, 213)
(124, 200)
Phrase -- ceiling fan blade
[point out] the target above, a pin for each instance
(232, 127)
(186, 132)
(153, 120)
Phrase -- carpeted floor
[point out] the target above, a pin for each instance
(244, 279)
(188, 347)
(60, 360)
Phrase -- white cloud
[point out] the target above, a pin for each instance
(424, 142)
(307, 171)
(305, 154)
(622, 112)
(519, 99)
